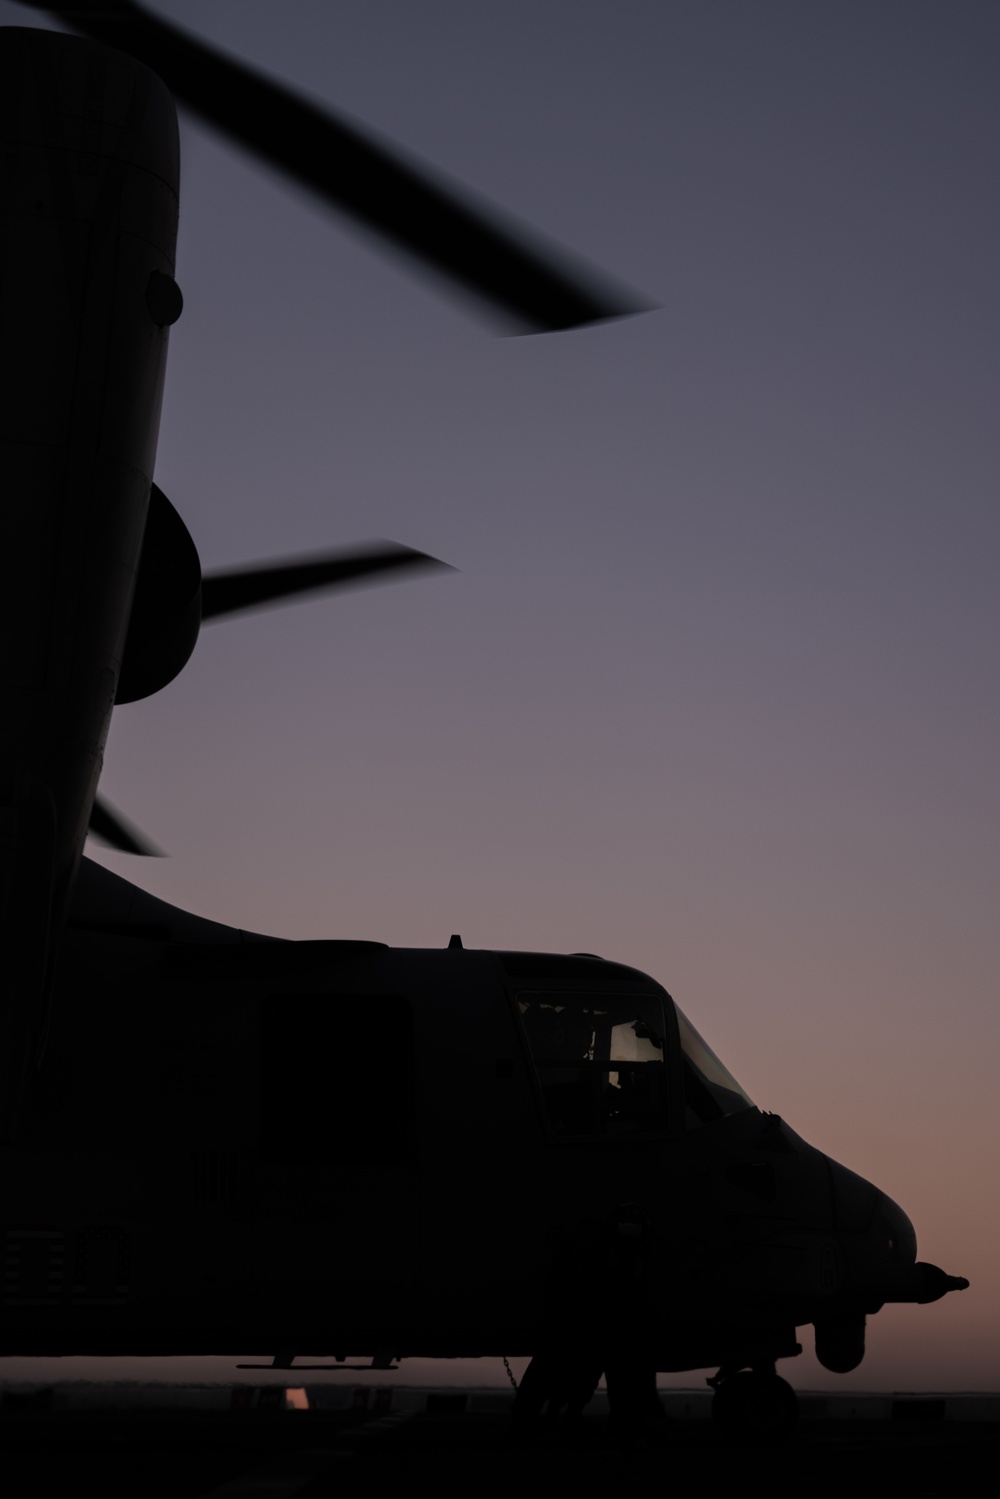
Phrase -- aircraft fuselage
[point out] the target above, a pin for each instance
(351, 1148)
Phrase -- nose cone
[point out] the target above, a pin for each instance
(905, 1278)
(891, 1225)
(880, 1247)
(875, 1234)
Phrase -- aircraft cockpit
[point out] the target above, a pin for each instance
(599, 1062)
(604, 1064)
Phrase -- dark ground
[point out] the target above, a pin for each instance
(239, 1454)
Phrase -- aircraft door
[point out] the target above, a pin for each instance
(337, 1200)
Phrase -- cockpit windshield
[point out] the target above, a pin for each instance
(710, 1090)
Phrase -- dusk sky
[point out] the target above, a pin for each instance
(713, 690)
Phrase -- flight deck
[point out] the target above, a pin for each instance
(306, 1441)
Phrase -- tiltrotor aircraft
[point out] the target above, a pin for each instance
(211, 1140)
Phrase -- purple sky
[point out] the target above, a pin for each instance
(714, 690)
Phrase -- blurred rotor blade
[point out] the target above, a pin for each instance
(351, 170)
(110, 827)
(254, 587)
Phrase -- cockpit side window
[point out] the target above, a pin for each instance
(599, 1061)
(710, 1090)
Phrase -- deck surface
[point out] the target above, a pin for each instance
(245, 1454)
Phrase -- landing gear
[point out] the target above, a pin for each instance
(754, 1404)
(557, 1385)
(554, 1389)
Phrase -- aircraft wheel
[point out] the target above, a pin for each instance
(755, 1406)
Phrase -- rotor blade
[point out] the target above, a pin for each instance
(352, 171)
(254, 587)
(110, 827)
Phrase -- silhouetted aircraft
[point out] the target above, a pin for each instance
(214, 1140)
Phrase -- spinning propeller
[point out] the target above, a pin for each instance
(373, 182)
(407, 205)
(243, 590)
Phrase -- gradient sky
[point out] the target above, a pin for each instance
(714, 689)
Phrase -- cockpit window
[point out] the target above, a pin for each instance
(599, 1061)
(710, 1090)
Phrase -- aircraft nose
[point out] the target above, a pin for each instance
(879, 1249)
(854, 1199)
(875, 1233)
(891, 1224)
(904, 1277)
